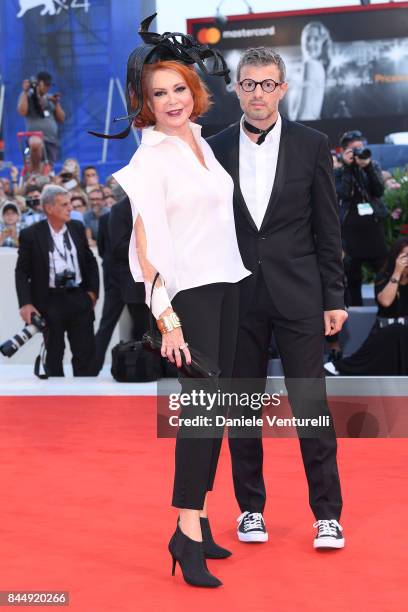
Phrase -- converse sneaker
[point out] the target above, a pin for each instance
(329, 534)
(330, 369)
(251, 527)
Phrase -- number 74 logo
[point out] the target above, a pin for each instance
(63, 5)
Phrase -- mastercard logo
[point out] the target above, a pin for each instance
(208, 36)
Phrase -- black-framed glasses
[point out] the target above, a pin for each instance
(268, 85)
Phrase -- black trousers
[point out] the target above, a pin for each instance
(300, 344)
(70, 311)
(352, 268)
(112, 309)
(209, 316)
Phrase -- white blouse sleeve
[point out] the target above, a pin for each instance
(144, 184)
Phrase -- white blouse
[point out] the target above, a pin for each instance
(187, 212)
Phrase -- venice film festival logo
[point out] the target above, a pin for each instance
(52, 7)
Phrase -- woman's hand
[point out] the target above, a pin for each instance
(172, 344)
(401, 264)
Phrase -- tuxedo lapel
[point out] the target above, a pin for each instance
(232, 167)
(280, 173)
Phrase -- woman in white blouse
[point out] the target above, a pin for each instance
(184, 229)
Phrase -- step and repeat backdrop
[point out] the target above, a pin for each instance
(84, 45)
(346, 67)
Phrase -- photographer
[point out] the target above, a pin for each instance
(33, 204)
(360, 186)
(57, 277)
(43, 113)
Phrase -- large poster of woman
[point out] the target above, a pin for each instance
(343, 64)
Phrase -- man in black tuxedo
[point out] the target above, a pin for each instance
(289, 236)
(115, 229)
(57, 277)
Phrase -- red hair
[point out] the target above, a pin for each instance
(199, 91)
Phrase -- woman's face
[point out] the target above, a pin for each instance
(314, 43)
(404, 251)
(169, 99)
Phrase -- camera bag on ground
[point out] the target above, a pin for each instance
(132, 363)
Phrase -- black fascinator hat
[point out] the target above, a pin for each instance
(161, 47)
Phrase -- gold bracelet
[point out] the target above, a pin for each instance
(167, 323)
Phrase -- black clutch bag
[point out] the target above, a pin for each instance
(201, 366)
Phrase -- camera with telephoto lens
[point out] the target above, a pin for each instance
(65, 280)
(10, 347)
(362, 153)
(32, 93)
(33, 86)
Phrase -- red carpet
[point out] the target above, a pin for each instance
(85, 489)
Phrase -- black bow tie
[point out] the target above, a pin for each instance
(255, 130)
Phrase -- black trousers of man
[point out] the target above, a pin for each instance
(113, 306)
(300, 344)
(70, 311)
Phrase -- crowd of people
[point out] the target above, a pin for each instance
(360, 186)
(20, 203)
(64, 210)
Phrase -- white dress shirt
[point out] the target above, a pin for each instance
(257, 170)
(187, 212)
(62, 258)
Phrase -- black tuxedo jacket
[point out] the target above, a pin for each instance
(33, 268)
(120, 231)
(298, 246)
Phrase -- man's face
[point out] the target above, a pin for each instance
(60, 211)
(77, 204)
(10, 217)
(96, 199)
(43, 88)
(91, 177)
(35, 195)
(259, 105)
(355, 144)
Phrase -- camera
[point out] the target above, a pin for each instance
(362, 153)
(10, 347)
(33, 84)
(65, 280)
(32, 202)
(32, 93)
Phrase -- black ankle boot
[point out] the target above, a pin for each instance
(190, 556)
(211, 549)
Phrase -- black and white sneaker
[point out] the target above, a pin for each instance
(251, 527)
(329, 534)
(330, 369)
